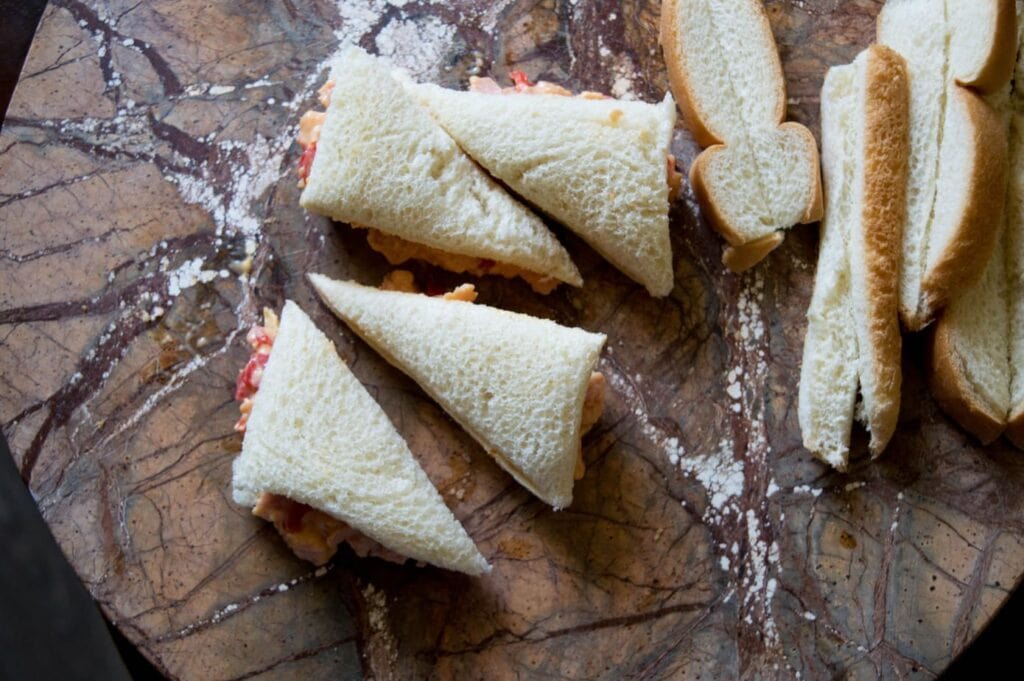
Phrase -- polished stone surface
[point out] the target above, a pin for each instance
(149, 143)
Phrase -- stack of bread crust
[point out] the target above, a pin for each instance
(758, 176)
(952, 144)
(853, 335)
(957, 51)
(977, 350)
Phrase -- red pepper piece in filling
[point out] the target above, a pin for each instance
(306, 161)
(520, 79)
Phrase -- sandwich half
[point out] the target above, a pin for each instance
(376, 159)
(598, 165)
(322, 461)
(956, 52)
(853, 334)
(517, 384)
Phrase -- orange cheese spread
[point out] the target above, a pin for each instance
(398, 250)
(313, 535)
(593, 407)
(310, 125)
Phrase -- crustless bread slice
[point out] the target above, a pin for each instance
(956, 51)
(316, 436)
(516, 383)
(759, 176)
(853, 336)
(382, 162)
(596, 165)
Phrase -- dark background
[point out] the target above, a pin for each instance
(50, 628)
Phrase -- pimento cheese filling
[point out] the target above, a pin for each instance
(398, 250)
(310, 125)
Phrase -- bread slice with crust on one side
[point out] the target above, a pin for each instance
(853, 335)
(598, 166)
(958, 142)
(758, 176)
(516, 383)
(382, 162)
(317, 437)
(970, 364)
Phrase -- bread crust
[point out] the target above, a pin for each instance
(741, 258)
(963, 261)
(816, 205)
(679, 80)
(953, 391)
(1015, 428)
(886, 163)
(997, 69)
(741, 254)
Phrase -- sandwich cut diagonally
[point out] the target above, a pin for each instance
(516, 383)
(317, 437)
(597, 165)
(379, 161)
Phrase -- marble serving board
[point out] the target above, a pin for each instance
(148, 151)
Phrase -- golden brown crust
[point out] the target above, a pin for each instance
(816, 207)
(675, 62)
(702, 192)
(998, 68)
(954, 392)
(964, 259)
(741, 255)
(741, 258)
(886, 163)
(1015, 429)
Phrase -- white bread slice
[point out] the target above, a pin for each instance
(853, 332)
(316, 436)
(514, 382)
(958, 144)
(758, 176)
(382, 162)
(595, 165)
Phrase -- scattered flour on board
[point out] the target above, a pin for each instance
(417, 45)
(376, 604)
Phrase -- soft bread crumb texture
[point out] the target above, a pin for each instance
(316, 436)
(758, 176)
(595, 165)
(382, 162)
(516, 383)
